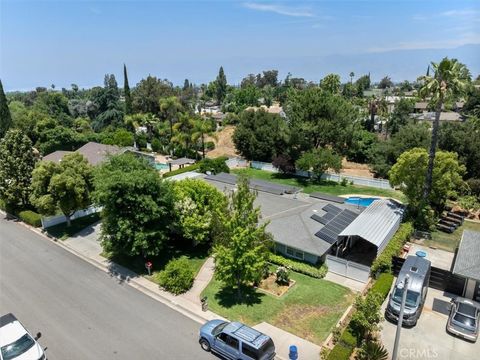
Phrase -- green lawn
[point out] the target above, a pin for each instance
(63, 232)
(328, 187)
(309, 309)
(450, 242)
(196, 257)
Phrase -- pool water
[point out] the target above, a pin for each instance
(360, 201)
(161, 166)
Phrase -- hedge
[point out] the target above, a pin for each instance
(300, 266)
(2, 205)
(182, 170)
(383, 263)
(30, 217)
(383, 284)
(344, 347)
(177, 277)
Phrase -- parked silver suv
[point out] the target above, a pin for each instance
(237, 341)
(464, 318)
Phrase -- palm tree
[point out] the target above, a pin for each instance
(449, 81)
(150, 121)
(201, 128)
(170, 108)
(352, 74)
(372, 350)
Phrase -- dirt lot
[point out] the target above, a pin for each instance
(224, 144)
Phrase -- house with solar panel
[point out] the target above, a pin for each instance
(321, 228)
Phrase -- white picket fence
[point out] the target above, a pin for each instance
(357, 180)
(58, 219)
(236, 162)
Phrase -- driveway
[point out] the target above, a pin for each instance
(87, 241)
(429, 339)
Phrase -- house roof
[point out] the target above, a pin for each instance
(421, 105)
(377, 223)
(449, 116)
(94, 152)
(181, 161)
(56, 156)
(467, 261)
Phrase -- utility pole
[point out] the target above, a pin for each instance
(400, 286)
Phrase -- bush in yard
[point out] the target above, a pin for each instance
(382, 285)
(177, 277)
(383, 263)
(474, 186)
(282, 276)
(372, 350)
(344, 346)
(367, 316)
(300, 267)
(185, 169)
(215, 166)
(31, 218)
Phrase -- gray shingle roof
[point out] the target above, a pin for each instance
(467, 262)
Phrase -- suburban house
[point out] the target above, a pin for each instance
(311, 227)
(97, 153)
(467, 263)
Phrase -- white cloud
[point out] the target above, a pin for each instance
(461, 14)
(280, 9)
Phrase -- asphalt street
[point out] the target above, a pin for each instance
(83, 312)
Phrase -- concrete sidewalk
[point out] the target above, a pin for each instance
(87, 245)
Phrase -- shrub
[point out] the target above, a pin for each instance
(383, 263)
(30, 217)
(344, 182)
(348, 339)
(367, 316)
(209, 145)
(469, 202)
(156, 145)
(214, 166)
(282, 276)
(177, 277)
(181, 171)
(3, 206)
(299, 266)
(474, 186)
(382, 285)
(284, 163)
(372, 350)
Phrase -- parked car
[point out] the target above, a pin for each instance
(464, 318)
(16, 343)
(237, 341)
(418, 271)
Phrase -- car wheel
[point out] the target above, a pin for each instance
(205, 344)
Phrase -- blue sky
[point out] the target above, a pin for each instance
(64, 42)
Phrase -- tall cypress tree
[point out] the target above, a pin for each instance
(5, 117)
(221, 85)
(126, 90)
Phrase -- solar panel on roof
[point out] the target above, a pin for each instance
(317, 218)
(340, 221)
(332, 209)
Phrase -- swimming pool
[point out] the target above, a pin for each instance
(360, 201)
(160, 166)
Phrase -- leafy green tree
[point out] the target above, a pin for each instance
(137, 206)
(148, 92)
(360, 146)
(59, 138)
(362, 84)
(221, 85)
(197, 207)
(120, 137)
(385, 83)
(260, 135)
(241, 248)
(471, 106)
(367, 316)
(214, 166)
(66, 186)
(352, 74)
(239, 99)
(450, 80)
(108, 100)
(17, 162)
(317, 161)
(183, 133)
(170, 109)
(409, 174)
(201, 128)
(5, 116)
(331, 83)
(319, 119)
(464, 139)
(126, 91)
(400, 115)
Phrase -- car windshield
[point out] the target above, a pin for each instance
(218, 329)
(411, 299)
(467, 309)
(17, 348)
(465, 321)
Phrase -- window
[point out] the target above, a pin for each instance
(229, 340)
(295, 253)
(249, 351)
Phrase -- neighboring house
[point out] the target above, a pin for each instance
(96, 153)
(467, 263)
(445, 116)
(274, 109)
